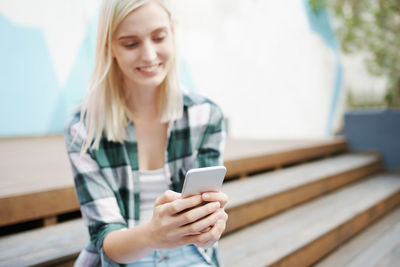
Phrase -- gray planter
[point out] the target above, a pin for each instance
(375, 130)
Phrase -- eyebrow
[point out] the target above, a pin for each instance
(134, 36)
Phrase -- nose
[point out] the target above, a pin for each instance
(148, 52)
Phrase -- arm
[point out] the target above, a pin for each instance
(108, 229)
(170, 227)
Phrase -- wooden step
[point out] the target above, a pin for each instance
(243, 157)
(378, 246)
(266, 194)
(303, 235)
(47, 246)
(251, 199)
(37, 181)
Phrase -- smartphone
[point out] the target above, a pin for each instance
(202, 180)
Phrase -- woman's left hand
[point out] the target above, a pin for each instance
(222, 198)
(212, 235)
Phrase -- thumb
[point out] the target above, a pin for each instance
(166, 197)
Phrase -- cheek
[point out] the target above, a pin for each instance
(125, 61)
(167, 51)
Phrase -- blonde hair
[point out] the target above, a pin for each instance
(104, 109)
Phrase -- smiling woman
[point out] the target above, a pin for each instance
(143, 47)
(132, 142)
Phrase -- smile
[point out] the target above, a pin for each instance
(149, 69)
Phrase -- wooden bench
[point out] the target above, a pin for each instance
(303, 235)
(379, 245)
(53, 194)
(60, 244)
(37, 180)
(267, 194)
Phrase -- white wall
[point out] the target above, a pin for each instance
(260, 61)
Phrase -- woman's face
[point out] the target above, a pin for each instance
(143, 46)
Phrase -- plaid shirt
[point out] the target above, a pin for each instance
(106, 179)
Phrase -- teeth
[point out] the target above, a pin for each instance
(149, 69)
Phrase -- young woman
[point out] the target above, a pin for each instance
(132, 142)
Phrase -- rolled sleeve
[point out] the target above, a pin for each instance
(96, 191)
(210, 152)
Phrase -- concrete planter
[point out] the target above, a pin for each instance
(375, 130)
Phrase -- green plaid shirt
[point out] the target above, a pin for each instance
(106, 179)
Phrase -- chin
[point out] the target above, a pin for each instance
(154, 82)
(151, 84)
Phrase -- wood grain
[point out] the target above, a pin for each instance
(376, 246)
(276, 192)
(47, 246)
(304, 234)
(32, 206)
(37, 180)
(243, 159)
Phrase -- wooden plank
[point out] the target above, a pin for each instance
(327, 243)
(375, 246)
(52, 220)
(38, 164)
(65, 261)
(38, 181)
(56, 245)
(68, 263)
(73, 235)
(392, 259)
(304, 234)
(269, 194)
(46, 246)
(37, 205)
(33, 164)
(256, 156)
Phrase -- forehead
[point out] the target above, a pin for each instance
(144, 20)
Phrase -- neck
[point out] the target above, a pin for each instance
(142, 103)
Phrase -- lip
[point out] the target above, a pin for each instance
(151, 73)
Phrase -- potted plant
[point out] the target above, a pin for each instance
(371, 27)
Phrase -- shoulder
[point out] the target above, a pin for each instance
(75, 132)
(199, 106)
(73, 124)
(191, 99)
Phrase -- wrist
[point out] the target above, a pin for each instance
(149, 236)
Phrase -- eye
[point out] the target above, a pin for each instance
(131, 45)
(159, 39)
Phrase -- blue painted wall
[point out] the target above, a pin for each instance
(320, 23)
(31, 101)
(375, 130)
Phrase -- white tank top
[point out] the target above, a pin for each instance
(152, 184)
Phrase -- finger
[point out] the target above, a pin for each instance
(222, 198)
(182, 204)
(201, 225)
(166, 197)
(206, 230)
(198, 213)
(208, 239)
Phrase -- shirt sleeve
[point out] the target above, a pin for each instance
(95, 190)
(211, 149)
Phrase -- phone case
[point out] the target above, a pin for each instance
(202, 180)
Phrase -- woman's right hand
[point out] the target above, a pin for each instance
(172, 224)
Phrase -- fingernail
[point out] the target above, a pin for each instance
(206, 195)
